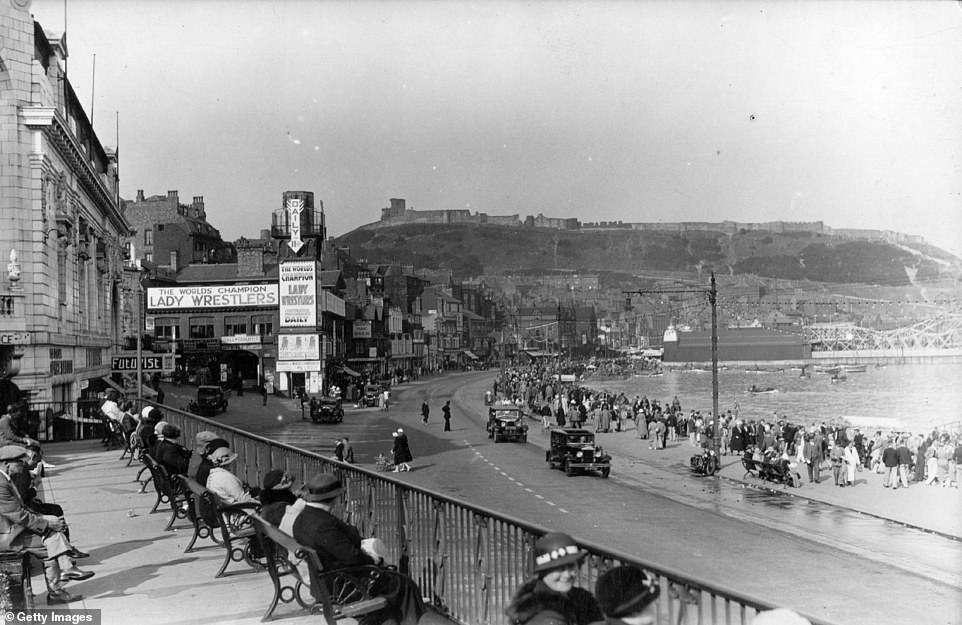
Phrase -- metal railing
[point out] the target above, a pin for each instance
(467, 560)
(64, 420)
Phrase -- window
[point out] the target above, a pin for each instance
(201, 328)
(148, 237)
(263, 325)
(235, 325)
(165, 328)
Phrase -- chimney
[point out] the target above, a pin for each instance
(250, 260)
(140, 195)
(197, 207)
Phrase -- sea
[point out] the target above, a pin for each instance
(907, 397)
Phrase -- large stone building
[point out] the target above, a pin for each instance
(169, 234)
(63, 234)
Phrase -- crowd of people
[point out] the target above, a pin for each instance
(930, 458)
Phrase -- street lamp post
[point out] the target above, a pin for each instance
(712, 293)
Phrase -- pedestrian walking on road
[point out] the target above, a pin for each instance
(838, 464)
(339, 449)
(401, 451)
(425, 411)
(812, 453)
(263, 390)
(446, 414)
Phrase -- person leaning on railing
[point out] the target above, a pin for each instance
(549, 596)
(626, 595)
(312, 523)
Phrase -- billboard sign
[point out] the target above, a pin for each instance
(297, 281)
(298, 347)
(212, 296)
(149, 363)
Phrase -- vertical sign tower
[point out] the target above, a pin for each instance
(300, 357)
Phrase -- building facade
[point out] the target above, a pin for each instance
(63, 233)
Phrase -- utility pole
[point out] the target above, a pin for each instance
(712, 293)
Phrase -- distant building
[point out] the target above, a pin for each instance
(174, 235)
(736, 344)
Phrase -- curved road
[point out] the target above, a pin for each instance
(826, 561)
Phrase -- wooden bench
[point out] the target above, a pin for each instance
(236, 529)
(342, 593)
(16, 591)
(168, 492)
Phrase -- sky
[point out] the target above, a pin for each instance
(848, 113)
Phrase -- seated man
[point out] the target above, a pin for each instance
(40, 535)
(311, 522)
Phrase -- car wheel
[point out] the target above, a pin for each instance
(605, 472)
(567, 467)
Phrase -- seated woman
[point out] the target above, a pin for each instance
(550, 594)
(169, 453)
(227, 486)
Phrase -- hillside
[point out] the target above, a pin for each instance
(470, 250)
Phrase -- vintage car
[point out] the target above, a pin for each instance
(210, 400)
(326, 410)
(506, 423)
(574, 450)
(372, 396)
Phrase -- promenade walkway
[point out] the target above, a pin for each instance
(929, 508)
(142, 572)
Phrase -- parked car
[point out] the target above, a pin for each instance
(574, 450)
(372, 396)
(210, 400)
(506, 423)
(326, 410)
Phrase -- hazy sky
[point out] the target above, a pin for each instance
(844, 112)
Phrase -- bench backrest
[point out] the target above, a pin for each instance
(161, 478)
(205, 501)
(279, 549)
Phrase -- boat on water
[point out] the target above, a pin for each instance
(833, 369)
(758, 389)
(854, 368)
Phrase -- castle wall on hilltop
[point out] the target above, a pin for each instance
(398, 213)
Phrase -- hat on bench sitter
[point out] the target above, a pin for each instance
(321, 487)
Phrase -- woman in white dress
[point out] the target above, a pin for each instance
(851, 462)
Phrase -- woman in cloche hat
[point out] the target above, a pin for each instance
(549, 596)
(627, 596)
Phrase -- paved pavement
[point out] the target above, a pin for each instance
(929, 508)
(142, 572)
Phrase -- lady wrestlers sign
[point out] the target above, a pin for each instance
(214, 296)
(298, 284)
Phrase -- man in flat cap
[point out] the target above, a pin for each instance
(39, 534)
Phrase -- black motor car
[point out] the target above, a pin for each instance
(210, 400)
(506, 423)
(574, 450)
(326, 410)
(372, 396)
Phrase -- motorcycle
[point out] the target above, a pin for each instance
(705, 463)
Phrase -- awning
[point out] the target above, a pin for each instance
(350, 372)
(469, 354)
(148, 392)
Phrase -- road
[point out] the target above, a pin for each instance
(825, 561)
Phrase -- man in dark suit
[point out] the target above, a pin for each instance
(312, 523)
(40, 535)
